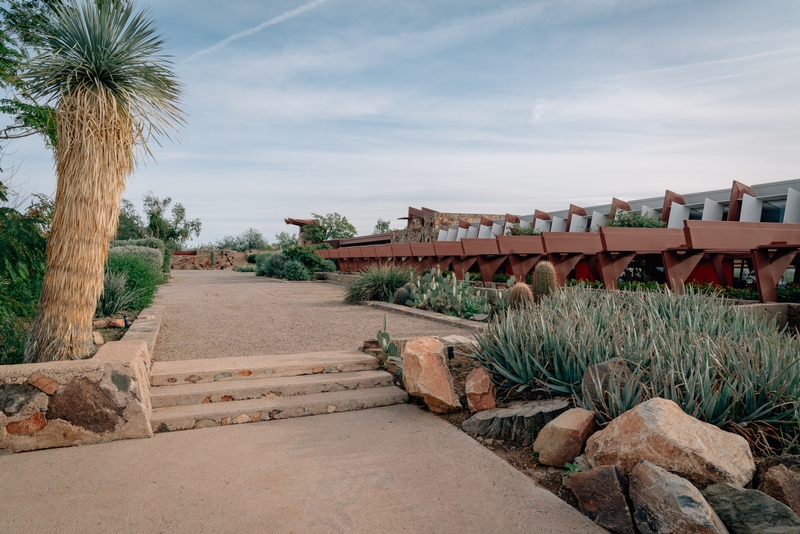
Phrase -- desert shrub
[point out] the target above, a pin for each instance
(152, 255)
(634, 219)
(718, 362)
(248, 268)
(295, 271)
(377, 283)
(251, 258)
(116, 295)
(142, 276)
(516, 229)
(149, 242)
(261, 263)
(308, 256)
(273, 267)
(13, 334)
(329, 266)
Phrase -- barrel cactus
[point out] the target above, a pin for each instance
(402, 295)
(544, 280)
(520, 296)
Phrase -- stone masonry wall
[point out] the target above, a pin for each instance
(59, 404)
(427, 230)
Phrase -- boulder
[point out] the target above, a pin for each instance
(664, 503)
(425, 375)
(747, 511)
(597, 378)
(660, 432)
(602, 495)
(116, 323)
(519, 423)
(782, 484)
(563, 438)
(480, 390)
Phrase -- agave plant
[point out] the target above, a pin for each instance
(101, 66)
(719, 363)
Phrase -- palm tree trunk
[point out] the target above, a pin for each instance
(93, 159)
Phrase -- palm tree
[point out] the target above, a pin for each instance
(102, 68)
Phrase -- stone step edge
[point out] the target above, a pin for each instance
(204, 392)
(254, 367)
(250, 411)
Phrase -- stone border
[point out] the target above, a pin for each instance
(146, 327)
(427, 314)
(336, 277)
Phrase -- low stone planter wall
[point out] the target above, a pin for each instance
(58, 404)
(339, 278)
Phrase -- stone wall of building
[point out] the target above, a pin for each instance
(201, 260)
(427, 230)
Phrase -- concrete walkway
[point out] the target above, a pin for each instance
(216, 314)
(382, 470)
(394, 469)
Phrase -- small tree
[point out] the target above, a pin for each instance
(130, 225)
(330, 226)
(285, 239)
(250, 239)
(381, 227)
(175, 230)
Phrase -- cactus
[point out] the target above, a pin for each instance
(544, 280)
(213, 260)
(520, 296)
(402, 295)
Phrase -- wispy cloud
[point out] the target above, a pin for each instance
(271, 22)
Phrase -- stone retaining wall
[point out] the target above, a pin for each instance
(58, 404)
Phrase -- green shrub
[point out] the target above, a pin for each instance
(248, 268)
(308, 256)
(261, 263)
(515, 229)
(274, 265)
(328, 266)
(295, 271)
(251, 258)
(377, 283)
(142, 276)
(116, 295)
(13, 335)
(634, 219)
(152, 255)
(788, 293)
(718, 362)
(149, 242)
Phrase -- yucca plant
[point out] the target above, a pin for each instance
(377, 283)
(116, 295)
(101, 66)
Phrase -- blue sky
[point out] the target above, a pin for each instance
(366, 107)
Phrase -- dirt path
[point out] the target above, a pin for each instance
(214, 314)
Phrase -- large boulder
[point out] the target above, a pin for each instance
(746, 511)
(602, 495)
(600, 377)
(480, 390)
(782, 484)
(425, 375)
(563, 438)
(660, 432)
(665, 503)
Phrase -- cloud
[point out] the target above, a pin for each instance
(271, 22)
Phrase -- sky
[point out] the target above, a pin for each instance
(366, 107)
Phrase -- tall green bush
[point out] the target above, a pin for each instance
(142, 276)
(718, 362)
(295, 271)
(152, 255)
(308, 256)
(150, 242)
(274, 265)
(261, 263)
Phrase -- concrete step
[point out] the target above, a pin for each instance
(256, 367)
(246, 411)
(237, 390)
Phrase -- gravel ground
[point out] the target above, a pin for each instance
(217, 314)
